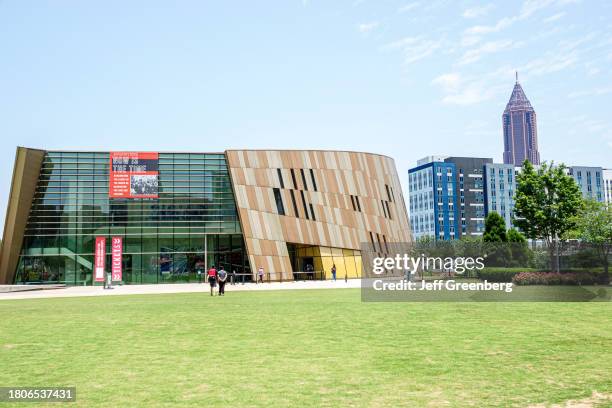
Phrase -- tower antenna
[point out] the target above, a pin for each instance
(516, 73)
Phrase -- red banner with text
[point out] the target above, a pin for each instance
(133, 175)
(99, 259)
(117, 254)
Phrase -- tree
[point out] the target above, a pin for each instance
(519, 248)
(594, 226)
(495, 228)
(545, 205)
(515, 236)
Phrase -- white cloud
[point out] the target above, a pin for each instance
(469, 40)
(549, 63)
(366, 28)
(591, 92)
(449, 82)
(567, 54)
(485, 29)
(414, 48)
(469, 90)
(408, 7)
(529, 8)
(490, 47)
(554, 17)
(477, 11)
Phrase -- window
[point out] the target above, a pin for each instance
(389, 210)
(358, 204)
(379, 243)
(304, 204)
(353, 202)
(294, 180)
(304, 179)
(280, 208)
(314, 182)
(295, 208)
(280, 178)
(388, 192)
(312, 213)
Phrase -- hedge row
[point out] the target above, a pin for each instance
(553, 278)
(501, 274)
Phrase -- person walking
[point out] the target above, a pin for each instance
(260, 274)
(212, 279)
(221, 277)
(333, 271)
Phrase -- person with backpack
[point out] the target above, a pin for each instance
(212, 279)
(221, 277)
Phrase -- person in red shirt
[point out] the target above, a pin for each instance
(212, 279)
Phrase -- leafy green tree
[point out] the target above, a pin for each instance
(515, 236)
(594, 226)
(545, 205)
(521, 253)
(495, 228)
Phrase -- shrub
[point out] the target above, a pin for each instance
(500, 274)
(554, 278)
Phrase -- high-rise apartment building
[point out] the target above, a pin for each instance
(500, 186)
(590, 181)
(433, 199)
(607, 182)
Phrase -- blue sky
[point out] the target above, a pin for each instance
(403, 78)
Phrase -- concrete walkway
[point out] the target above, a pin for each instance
(75, 291)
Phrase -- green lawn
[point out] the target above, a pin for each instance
(306, 348)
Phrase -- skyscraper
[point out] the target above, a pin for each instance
(520, 129)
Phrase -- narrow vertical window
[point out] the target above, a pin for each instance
(314, 182)
(304, 204)
(388, 210)
(294, 180)
(295, 208)
(353, 202)
(280, 208)
(379, 243)
(358, 204)
(372, 240)
(386, 245)
(304, 179)
(388, 192)
(312, 212)
(280, 178)
(382, 203)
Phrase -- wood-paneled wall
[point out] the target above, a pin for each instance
(339, 220)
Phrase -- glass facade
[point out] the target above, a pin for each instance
(191, 225)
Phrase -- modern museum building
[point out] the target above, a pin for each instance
(161, 217)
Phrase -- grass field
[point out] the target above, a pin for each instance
(306, 348)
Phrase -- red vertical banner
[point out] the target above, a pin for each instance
(117, 254)
(99, 259)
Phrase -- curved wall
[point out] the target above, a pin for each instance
(342, 199)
